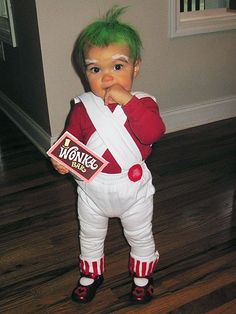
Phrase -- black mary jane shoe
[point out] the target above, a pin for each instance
(85, 294)
(142, 294)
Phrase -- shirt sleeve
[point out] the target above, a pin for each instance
(144, 119)
(73, 124)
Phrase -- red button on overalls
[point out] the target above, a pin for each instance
(135, 173)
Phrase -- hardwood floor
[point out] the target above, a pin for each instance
(194, 172)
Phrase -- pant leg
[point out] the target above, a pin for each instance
(93, 230)
(137, 224)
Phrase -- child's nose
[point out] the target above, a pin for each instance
(107, 78)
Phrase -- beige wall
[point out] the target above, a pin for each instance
(179, 72)
(192, 77)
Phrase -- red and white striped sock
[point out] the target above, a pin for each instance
(92, 266)
(143, 267)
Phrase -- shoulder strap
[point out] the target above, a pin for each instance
(115, 135)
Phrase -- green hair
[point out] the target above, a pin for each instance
(106, 31)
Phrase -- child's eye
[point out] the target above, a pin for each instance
(94, 70)
(118, 67)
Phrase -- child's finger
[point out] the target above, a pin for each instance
(62, 170)
(108, 98)
(58, 167)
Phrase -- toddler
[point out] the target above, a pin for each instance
(120, 125)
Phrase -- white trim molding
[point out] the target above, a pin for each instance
(36, 134)
(198, 22)
(198, 114)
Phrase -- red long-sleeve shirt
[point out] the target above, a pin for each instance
(143, 123)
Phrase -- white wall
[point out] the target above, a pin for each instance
(192, 77)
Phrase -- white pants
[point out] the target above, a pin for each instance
(114, 195)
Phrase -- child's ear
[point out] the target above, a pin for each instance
(137, 67)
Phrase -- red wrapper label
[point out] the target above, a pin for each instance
(77, 157)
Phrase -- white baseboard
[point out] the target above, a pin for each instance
(198, 114)
(177, 119)
(36, 134)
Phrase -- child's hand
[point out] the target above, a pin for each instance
(117, 94)
(58, 167)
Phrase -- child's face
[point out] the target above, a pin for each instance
(110, 65)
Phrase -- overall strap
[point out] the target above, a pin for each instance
(112, 131)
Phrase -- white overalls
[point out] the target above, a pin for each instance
(115, 195)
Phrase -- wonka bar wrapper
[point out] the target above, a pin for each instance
(77, 157)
